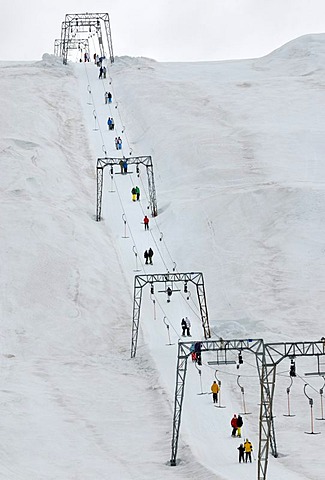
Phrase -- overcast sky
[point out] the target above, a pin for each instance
(166, 30)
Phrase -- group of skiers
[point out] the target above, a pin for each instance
(102, 71)
(110, 123)
(195, 350)
(108, 97)
(236, 423)
(186, 326)
(118, 143)
(123, 163)
(135, 193)
(148, 254)
(98, 60)
(246, 448)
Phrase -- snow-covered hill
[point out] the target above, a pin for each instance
(237, 149)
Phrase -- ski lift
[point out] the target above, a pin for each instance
(240, 359)
(137, 169)
(320, 368)
(152, 289)
(222, 357)
(311, 404)
(243, 394)
(292, 371)
(169, 288)
(289, 414)
(169, 292)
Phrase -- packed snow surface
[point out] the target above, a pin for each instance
(238, 158)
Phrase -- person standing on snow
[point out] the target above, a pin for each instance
(146, 256)
(234, 425)
(215, 390)
(138, 192)
(146, 222)
(248, 450)
(183, 325)
(150, 255)
(109, 97)
(188, 326)
(100, 72)
(121, 166)
(134, 194)
(241, 450)
(239, 425)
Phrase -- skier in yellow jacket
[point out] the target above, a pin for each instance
(215, 390)
(248, 450)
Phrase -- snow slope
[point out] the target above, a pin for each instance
(237, 150)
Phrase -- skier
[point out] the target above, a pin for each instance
(138, 192)
(150, 255)
(109, 96)
(121, 166)
(116, 143)
(111, 127)
(215, 389)
(134, 194)
(169, 292)
(248, 450)
(146, 256)
(233, 423)
(239, 425)
(183, 325)
(119, 143)
(188, 326)
(125, 166)
(104, 71)
(241, 450)
(95, 57)
(197, 348)
(193, 354)
(100, 72)
(109, 123)
(146, 222)
(106, 97)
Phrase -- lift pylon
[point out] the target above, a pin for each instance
(74, 44)
(144, 160)
(140, 281)
(268, 356)
(76, 24)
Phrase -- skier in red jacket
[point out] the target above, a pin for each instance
(146, 223)
(234, 425)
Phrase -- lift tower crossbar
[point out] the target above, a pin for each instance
(140, 281)
(144, 160)
(268, 356)
(77, 22)
(74, 44)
